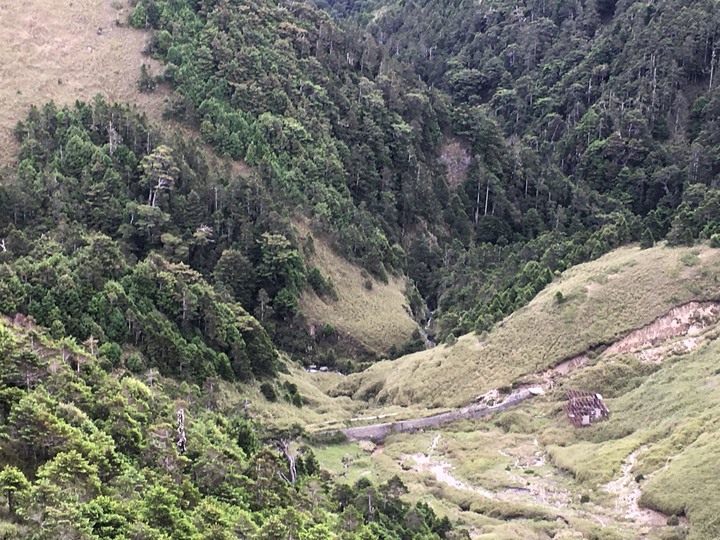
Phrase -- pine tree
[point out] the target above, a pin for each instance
(646, 240)
(12, 482)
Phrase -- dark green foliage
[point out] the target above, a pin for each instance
(610, 111)
(647, 240)
(268, 390)
(301, 88)
(120, 195)
(12, 483)
(321, 285)
(112, 352)
(167, 310)
(146, 83)
(572, 144)
(245, 435)
(312, 466)
(581, 126)
(90, 454)
(292, 395)
(139, 17)
(414, 344)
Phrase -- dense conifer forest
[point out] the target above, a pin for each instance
(480, 148)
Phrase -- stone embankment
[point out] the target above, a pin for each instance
(377, 432)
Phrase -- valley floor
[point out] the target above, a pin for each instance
(527, 473)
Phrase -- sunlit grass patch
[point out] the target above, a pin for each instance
(67, 51)
(376, 317)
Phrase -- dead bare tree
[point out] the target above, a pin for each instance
(182, 438)
(285, 448)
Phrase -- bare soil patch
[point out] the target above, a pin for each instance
(688, 320)
(657, 340)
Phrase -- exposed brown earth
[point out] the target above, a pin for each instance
(657, 340)
(627, 492)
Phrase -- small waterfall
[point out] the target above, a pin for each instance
(425, 332)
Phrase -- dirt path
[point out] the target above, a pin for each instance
(422, 462)
(535, 490)
(627, 495)
(545, 491)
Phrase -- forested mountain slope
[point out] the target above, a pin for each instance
(102, 225)
(92, 452)
(479, 148)
(547, 133)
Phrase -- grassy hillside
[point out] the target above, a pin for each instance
(372, 313)
(511, 476)
(601, 301)
(670, 425)
(55, 50)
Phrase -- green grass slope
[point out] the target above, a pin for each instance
(670, 423)
(371, 313)
(601, 301)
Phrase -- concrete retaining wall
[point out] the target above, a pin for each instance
(377, 432)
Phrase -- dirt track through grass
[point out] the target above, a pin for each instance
(691, 319)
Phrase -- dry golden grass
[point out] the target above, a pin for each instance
(604, 300)
(377, 318)
(52, 50)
